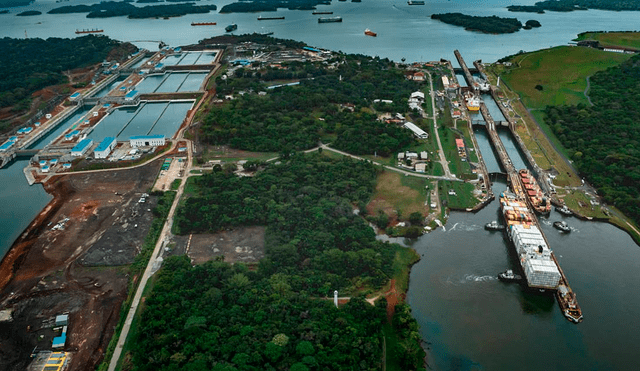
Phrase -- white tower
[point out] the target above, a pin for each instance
(498, 84)
(335, 298)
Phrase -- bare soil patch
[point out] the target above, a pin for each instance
(239, 245)
(45, 273)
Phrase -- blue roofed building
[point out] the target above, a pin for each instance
(105, 147)
(82, 148)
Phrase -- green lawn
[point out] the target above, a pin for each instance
(623, 39)
(463, 197)
(560, 71)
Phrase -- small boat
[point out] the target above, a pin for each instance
(562, 225)
(231, 27)
(415, 2)
(368, 32)
(564, 210)
(203, 23)
(493, 226)
(508, 276)
(317, 12)
(261, 18)
(94, 30)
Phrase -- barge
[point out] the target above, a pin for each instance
(261, 18)
(329, 19)
(93, 30)
(203, 23)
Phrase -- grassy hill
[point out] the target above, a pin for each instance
(560, 74)
(622, 39)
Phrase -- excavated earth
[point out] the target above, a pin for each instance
(73, 258)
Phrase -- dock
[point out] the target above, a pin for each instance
(564, 294)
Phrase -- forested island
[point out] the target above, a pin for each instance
(604, 137)
(22, 74)
(280, 121)
(271, 5)
(571, 5)
(117, 9)
(492, 24)
(29, 13)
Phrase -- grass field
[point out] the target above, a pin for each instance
(463, 197)
(396, 194)
(561, 71)
(623, 39)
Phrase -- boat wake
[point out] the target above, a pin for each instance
(469, 278)
(465, 227)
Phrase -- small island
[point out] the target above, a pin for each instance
(28, 13)
(571, 5)
(271, 5)
(493, 24)
(531, 24)
(123, 8)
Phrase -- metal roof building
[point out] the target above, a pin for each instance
(105, 147)
(146, 140)
(81, 148)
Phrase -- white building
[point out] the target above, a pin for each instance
(147, 140)
(416, 130)
(105, 147)
(81, 148)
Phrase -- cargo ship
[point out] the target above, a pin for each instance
(538, 266)
(329, 19)
(473, 102)
(231, 27)
(535, 197)
(261, 18)
(415, 2)
(368, 32)
(317, 12)
(203, 23)
(93, 30)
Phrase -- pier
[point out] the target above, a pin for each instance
(467, 74)
(564, 294)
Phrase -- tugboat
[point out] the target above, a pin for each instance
(509, 276)
(493, 226)
(564, 210)
(562, 225)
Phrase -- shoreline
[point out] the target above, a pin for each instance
(12, 260)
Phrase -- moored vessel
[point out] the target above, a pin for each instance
(564, 210)
(368, 32)
(203, 23)
(535, 197)
(329, 19)
(93, 30)
(261, 18)
(317, 12)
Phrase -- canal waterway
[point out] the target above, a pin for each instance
(472, 321)
(74, 119)
(171, 82)
(161, 118)
(104, 91)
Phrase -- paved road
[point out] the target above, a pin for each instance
(410, 173)
(443, 159)
(166, 230)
